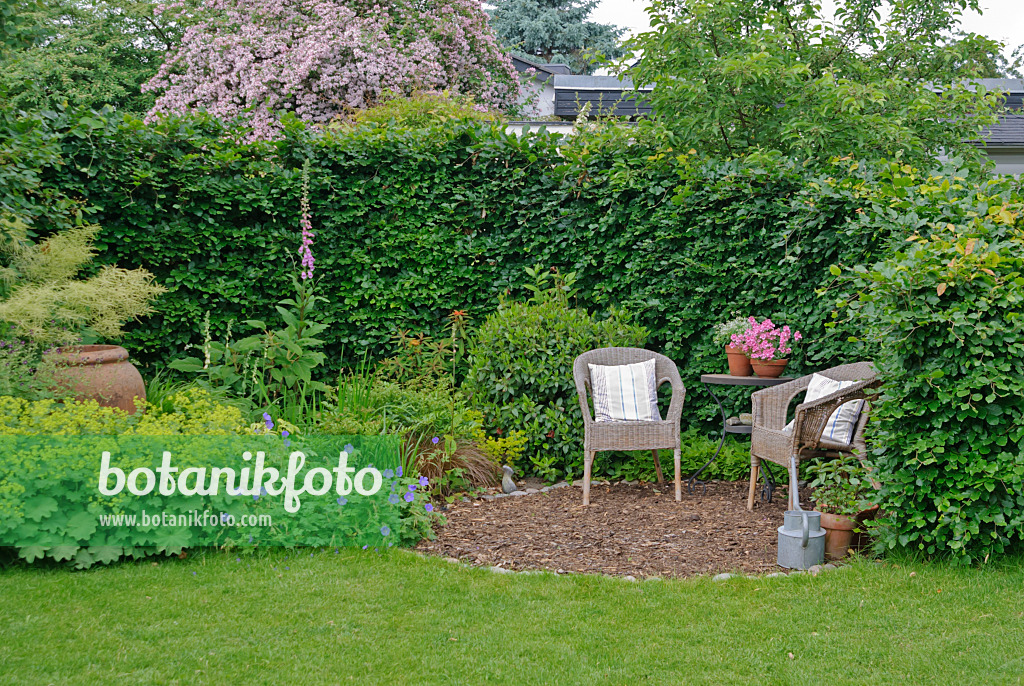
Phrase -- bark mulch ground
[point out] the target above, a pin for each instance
(638, 530)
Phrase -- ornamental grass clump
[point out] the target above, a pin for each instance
(765, 341)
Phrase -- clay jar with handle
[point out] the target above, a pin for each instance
(99, 372)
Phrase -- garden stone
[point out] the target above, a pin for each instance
(546, 489)
(531, 491)
(560, 484)
(629, 578)
(815, 570)
(774, 575)
(487, 497)
(452, 560)
(501, 570)
(722, 577)
(829, 565)
(518, 493)
(500, 495)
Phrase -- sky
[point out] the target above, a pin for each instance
(1000, 19)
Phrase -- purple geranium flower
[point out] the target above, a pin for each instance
(435, 440)
(393, 498)
(428, 507)
(389, 473)
(424, 481)
(349, 448)
(385, 530)
(412, 487)
(399, 472)
(409, 497)
(268, 421)
(342, 500)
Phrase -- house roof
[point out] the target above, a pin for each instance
(544, 71)
(1007, 133)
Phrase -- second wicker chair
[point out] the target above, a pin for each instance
(772, 441)
(625, 435)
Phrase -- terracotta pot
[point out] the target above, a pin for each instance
(739, 363)
(101, 373)
(840, 534)
(769, 369)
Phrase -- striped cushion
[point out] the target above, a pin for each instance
(627, 392)
(841, 424)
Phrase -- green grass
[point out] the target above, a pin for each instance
(367, 618)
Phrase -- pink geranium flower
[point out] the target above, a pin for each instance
(764, 341)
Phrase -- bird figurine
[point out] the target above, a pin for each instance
(507, 484)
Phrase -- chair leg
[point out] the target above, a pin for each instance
(588, 462)
(755, 468)
(657, 466)
(679, 480)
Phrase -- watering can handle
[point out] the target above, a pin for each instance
(807, 531)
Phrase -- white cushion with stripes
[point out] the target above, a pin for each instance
(627, 392)
(841, 424)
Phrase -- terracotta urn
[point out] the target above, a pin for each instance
(769, 369)
(101, 373)
(739, 363)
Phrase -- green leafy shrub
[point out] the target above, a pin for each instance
(25, 372)
(423, 108)
(942, 318)
(520, 373)
(50, 507)
(435, 423)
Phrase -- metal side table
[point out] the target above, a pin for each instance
(710, 380)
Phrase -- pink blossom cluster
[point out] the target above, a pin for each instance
(323, 58)
(763, 341)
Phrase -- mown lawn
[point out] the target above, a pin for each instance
(361, 617)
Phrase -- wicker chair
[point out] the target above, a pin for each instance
(624, 435)
(769, 441)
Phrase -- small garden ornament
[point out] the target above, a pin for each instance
(507, 484)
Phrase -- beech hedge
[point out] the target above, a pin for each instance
(414, 223)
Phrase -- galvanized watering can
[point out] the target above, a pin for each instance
(801, 540)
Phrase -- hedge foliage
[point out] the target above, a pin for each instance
(944, 313)
(414, 223)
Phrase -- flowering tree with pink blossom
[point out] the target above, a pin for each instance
(322, 59)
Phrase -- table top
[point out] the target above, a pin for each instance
(730, 380)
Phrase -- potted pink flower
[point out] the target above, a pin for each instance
(767, 346)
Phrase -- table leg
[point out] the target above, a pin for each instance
(693, 479)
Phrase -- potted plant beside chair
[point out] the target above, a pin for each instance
(841, 489)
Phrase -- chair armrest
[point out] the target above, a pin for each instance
(811, 417)
(770, 405)
(675, 406)
(582, 388)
